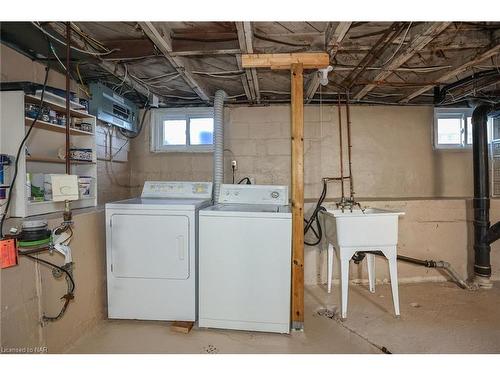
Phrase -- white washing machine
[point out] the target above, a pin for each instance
(151, 251)
(245, 260)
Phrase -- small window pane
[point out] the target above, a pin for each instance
(174, 132)
(201, 131)
(469, 130)
(449, 131)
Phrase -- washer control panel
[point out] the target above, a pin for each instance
(254, 194)
(176, 189)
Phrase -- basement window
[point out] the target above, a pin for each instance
(452, 128)
(182, 130)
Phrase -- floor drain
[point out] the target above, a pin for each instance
(326, 313)
(210, 349)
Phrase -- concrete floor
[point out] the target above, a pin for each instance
(435, 318)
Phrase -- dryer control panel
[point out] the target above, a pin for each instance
(176, 189)
(254, 194)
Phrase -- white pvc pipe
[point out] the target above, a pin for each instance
(220, 96)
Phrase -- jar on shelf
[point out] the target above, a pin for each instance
(31, 110)
(61, 120)
(45, 115)
(53, 116)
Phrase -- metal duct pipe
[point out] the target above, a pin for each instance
(220, 96)
(482, 266)
(484, 235)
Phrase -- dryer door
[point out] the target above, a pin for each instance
(150, 246)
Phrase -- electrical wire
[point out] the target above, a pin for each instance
(399, 47)
(247, 179)
(20, 149)
(222, 74)
(69, 279)
(314, 219)
(73, 48)
(124, 78)
(55, 55)
(82, 85)
(92, 41)
(141, 126)
(160, 76)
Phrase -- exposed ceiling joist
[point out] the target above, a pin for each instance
(163, 42)
(245, 38)
(214, 52)
(430, 31)
(374, 53)
(458, 70)
(333, 37)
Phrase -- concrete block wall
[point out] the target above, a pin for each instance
(29, 290)
(113, 176)
(392, 154)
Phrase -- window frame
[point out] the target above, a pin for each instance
(463, 114)
(163, 114)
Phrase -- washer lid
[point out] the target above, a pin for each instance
(248, 210)
(160, 203)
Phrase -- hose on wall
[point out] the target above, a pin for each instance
(220, 96)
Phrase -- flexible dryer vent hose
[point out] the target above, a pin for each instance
(220, 96)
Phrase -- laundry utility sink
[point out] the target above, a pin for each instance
(368, 230)
(372, 227)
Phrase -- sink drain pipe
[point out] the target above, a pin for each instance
(220, 96)
(360, 255)
(484, 235)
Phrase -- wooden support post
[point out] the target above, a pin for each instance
(296, 62)
(297, 196)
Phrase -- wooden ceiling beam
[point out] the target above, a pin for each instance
(251, 80)
(486, 54)
(333, 38)
(163, 42)
(309, 60)
(430, 31)
(130, 48)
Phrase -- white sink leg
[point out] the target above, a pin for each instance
(370, 262)
(391, 254)
(345, 255)
(331, 249)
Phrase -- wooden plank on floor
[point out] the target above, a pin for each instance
(181, 327)
(297, 196)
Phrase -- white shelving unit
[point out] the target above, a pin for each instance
(42, 148)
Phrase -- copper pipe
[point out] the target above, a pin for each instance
(349, 145)
(341, 149)
(336, 178)
(68, 113)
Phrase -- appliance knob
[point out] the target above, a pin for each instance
(275, 194)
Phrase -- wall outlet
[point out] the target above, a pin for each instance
(234, 165)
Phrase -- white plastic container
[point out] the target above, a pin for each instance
(373, 227)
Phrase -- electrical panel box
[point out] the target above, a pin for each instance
(112, 108)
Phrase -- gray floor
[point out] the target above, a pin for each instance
(435, 318)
